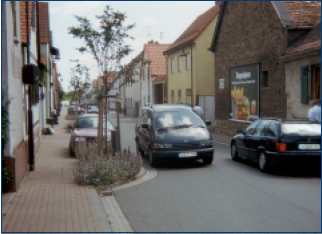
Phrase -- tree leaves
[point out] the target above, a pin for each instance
(107, 42)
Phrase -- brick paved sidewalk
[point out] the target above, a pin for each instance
(48, 200)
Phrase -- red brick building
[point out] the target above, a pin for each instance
(249, 41)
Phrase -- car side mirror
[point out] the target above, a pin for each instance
(145, 126)
(208, 122)
(241, 131)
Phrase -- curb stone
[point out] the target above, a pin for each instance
(116, 218)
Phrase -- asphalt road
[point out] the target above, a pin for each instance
(224, 197)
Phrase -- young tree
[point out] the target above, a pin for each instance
(79, 80)
(107, 43)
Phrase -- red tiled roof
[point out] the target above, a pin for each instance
(195, 29)
(292, 14)
(153, 52)
(308, 43)
(23, 19)
(301, 14)
(44, 31)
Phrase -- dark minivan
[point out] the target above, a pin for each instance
(173, 132)
(271, 141)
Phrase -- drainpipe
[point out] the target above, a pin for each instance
(191, 75)
(38, 63)
(31, 150)
(149, 84)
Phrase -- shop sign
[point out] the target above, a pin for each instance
(244, 88)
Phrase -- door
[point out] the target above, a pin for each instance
(247, 147)
(208, 105)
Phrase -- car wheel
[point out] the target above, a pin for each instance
(152, 160)
(264, 164)
(234, 152)
(208, 160)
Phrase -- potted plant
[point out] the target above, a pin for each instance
(6, 178)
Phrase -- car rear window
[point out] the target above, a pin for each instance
(302, 129)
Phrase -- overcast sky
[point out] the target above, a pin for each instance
(156, 20)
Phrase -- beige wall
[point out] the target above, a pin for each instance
(179, 79)
(204, 63)
(203, 69)
(295, 109)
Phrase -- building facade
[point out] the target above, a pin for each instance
(15, 144)
(249, 41)
(22, 101)
(145, 78)
(302, 74)
(190, 65)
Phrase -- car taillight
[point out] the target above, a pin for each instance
(281, 147)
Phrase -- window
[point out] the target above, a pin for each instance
(265, 79)
(177, 118)
(182, 62)
(179, 96)
(251, 129)
(178, 63)
(172, 64)
(310, 83)
(14, 17)
(172, 96)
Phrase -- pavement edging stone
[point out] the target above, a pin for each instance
(116, 217)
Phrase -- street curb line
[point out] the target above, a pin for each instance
(148, 175)
(117, 219)
(221, 143)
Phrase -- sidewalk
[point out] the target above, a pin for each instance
(48, 200)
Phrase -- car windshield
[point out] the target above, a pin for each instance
(301, 129)
(177, 119)
(90, 122)
(87, 122)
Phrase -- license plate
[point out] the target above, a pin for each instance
(187, 154)
(309, 146)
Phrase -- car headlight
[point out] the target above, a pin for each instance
(80, 139)
(162, 146)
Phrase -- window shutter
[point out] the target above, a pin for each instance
(305, 84)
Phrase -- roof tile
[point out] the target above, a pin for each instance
(195, 29)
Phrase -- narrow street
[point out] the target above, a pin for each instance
(184, 116)
(226, 196)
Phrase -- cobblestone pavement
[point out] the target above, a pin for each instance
(48, 200)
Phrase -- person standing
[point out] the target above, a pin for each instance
(314, 113)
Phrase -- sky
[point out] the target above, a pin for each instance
(156, 20)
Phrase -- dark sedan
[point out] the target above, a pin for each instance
(173, 132)
(269, 142)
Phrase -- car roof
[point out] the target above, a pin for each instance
(287, 121)
(167, 107)
(88, 115)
